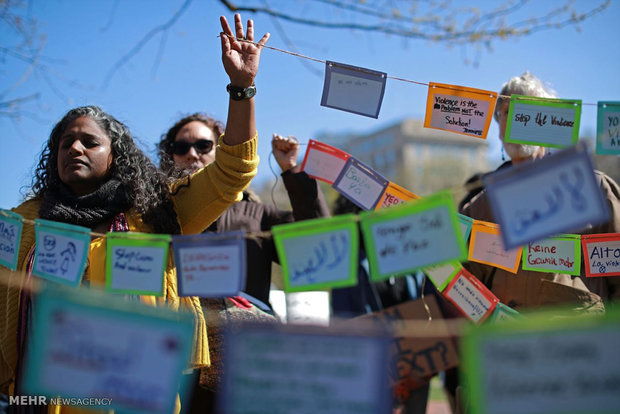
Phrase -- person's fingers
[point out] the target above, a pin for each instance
(225, 42)
(225, 26)
(239, 26)
(264, 39)
(250, 31)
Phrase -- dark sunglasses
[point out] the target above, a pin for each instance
(202, 146)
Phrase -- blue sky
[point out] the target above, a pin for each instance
(158, 85)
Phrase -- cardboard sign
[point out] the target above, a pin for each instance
(210, 265)
(443, 274)
(135, 263)
(323, 161)
(318, 254)
(602, 254)
(10, 236)
(472, 298)
(285, 369)
(416, 355)
(465, 224)
(504, 313)
(360, 184)
(555, 195)
(608, 128)
(353, 89)
(543, 364)
(543, 121)
(459, 109)
(559, 254)
(486, 247)
(61, 251)
(412, 236)
(93, 346)
(395, 195)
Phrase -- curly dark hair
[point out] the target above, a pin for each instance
(164, 148)
(145, 186)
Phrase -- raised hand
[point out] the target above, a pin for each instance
(240, 58)
(285, 151)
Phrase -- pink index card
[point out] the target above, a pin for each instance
(323, 162)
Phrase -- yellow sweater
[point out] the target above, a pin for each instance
(210, 191)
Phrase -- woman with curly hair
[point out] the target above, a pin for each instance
(92, 174)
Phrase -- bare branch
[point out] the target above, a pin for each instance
(147, 37)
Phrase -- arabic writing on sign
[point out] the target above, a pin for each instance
(318, 258)
(567, 192)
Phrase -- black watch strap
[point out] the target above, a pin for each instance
(238, 94)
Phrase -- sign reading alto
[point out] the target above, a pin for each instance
(537, 199)
(415, 235)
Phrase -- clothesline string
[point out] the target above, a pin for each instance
(389, 77)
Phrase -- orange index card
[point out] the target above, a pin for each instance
(459, 109)
(486, 247)
(323, 161)
(394, 195)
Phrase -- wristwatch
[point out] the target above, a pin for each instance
(239, 94)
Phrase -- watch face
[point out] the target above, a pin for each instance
(250, 92)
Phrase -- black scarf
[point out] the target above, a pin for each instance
(88, 210)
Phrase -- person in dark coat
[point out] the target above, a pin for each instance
(189, 146)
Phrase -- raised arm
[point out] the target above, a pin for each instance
(240, 61)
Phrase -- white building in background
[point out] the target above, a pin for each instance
(423, 160)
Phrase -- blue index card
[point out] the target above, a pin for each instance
(608, 128)
(360, 184)
(558, 194)
(61, 251)
(465, 224)
(108, 352)
(353, 89)
(311, 370)
(10, 236)
(210, 265)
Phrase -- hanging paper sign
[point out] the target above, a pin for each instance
(10, 235)
(61, 251)
(555, 195)
(459, 109)
(323, 161)
(353, 89)
(608, 128)
(412, 236)
(558, 254)
(416, 355)
(602, 254)
(465, 224)
(210, 265)
(360, 184)
(504, 313)
(394, 195)
(486, 247)
(318, 254)
(443, 274)
(543, 364)
(135, 263)
(274, 368)
(543, 121)
(106, 352)
(472, 298)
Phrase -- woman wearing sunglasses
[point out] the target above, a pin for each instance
(189, 146)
